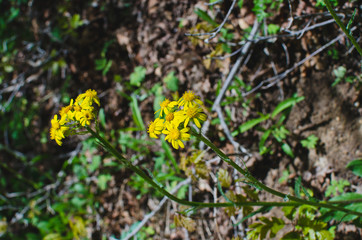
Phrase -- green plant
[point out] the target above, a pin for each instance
(171, 81)
(340, 74)
(285, 176)
(310, 142)
(262, 8)
(355, 166)
(341, 25)
(103, 64)
(277, 130)
(336, 186)
(138, 76)
(320, 3)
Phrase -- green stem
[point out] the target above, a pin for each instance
(257, 183)
(295, 201)
(341, 25)
(107, 146)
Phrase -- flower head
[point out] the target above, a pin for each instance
(195, 114)
(57, 131)
(85, 117)
(155, 128)
(189, 99)
(166, 106)
(88, 98)
(77, 114)
(175, 135)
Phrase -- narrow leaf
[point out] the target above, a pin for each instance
(286, 104)
(251, 123)
(288, 150)
(297, 185)
(136, 114)
(206, 17)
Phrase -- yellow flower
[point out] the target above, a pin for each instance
(85, 117)
(58, 129)
(166, 106)
(155, 128)
(189, 99)
(195, 114)
(68, 111)
(88, 98)
(174, 135)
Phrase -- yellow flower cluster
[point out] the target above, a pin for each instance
(175, 116)
(78, 113)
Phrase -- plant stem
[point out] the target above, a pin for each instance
(107, 146)
(341, 25)
(258, 184)
(295, 201)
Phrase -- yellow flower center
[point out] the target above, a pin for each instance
(165, 103)
(170, 117)
(174, 134)
(56, 125)
(88, 115)
(189, 96)
(191, 112)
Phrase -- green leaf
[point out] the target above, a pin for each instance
(78, 202)
(273, 29)
(102, 117)
(107, 67)
(351, 21)
(310, 142)
(298, 184)
(171, 81)
(181, 193)
(285, 176)
(280, 133)
(94, 165)
(260, 230)
(286, 104)
(100, 63)
(53, 236)
(136, 113)
(342, 216)
(355, 166)
(204, 16)
(103, 179)
(76, 22)
(289, 212)
(340, 72)
(336, 186)
(138, 76)
(251, 123)
(262, 148)
(287, 149)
